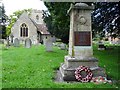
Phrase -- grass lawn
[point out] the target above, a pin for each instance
(35, 68)
(0, 67)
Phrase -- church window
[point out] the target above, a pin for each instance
(23, 30)
(37, 17)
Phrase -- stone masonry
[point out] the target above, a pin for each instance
(80, 44)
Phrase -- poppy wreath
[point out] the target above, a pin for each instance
(79, 77)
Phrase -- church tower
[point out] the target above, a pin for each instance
(36, 15)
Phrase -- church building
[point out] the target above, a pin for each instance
(30, 26)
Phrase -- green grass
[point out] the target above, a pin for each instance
(35, 68)
(0, 66)
(109, 60)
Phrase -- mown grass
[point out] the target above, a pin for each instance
(35, 68)
(0, 66)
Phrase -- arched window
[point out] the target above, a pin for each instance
(23, 30)
(37, 17)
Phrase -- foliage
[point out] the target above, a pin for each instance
(2, 21)
(34, 70)
(106, 18)
(58, 20)
(14, 18)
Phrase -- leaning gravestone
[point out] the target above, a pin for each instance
(80, 53)
(48, 44)
(16, 42)
(28, 43)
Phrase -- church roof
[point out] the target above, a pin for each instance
(41, 27)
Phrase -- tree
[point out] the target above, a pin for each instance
(106, 18)
(58, 21)
(3, 18)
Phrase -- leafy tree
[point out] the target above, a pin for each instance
(58, 20)
(106, 18)
(3, 18)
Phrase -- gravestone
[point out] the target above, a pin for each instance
(118, 42)
(1, 41)
(28, 43)
(11, 38)
(49, 44)
(62, 46)
(6, 43)
(16, 42)
(101, 46)
(80, 51)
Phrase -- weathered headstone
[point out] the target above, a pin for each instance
(118, 42)
(1, 41)
(80, 44)
(16, 42)
(28, 43)
(53, 39)
(101, 46)
(62, 46)
(49, 44)
(6, 43)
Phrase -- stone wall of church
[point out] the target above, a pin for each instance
(32, 30)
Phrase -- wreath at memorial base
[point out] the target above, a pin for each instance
(79, 76)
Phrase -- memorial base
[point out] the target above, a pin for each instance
(67, 69)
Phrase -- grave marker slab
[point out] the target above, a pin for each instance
(101, 46)
(16, 42)
(28, 43)
(62, 46)
(49, 44)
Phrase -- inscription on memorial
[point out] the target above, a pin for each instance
(82, 38)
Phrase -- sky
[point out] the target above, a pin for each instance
(14, 5)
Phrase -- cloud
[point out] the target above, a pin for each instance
(14, 5)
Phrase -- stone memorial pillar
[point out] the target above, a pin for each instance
(80, 44)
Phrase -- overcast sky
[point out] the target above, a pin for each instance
(13, 5)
